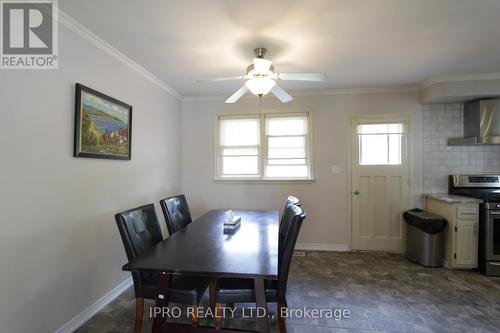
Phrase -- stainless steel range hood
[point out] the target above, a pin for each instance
(481, 124)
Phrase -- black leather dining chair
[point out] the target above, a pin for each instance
(283, 228)
(140, 231)
(176, 212)
(291, 200)
(177, 215)
(236, 290)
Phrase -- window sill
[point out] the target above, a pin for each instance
(270, 181)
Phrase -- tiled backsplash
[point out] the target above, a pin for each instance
(442, 121)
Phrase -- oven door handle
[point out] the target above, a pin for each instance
(494, 263)
(494, 212)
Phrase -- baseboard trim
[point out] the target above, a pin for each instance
(89, 312)
(323, 247)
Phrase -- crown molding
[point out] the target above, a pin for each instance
(82, 31)
(387, 89)
(460, 78)
(85, 33)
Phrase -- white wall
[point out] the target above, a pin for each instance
(327, 199)
(60, 248)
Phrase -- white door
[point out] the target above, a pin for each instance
(380, 182)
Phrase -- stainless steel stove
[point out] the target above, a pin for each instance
(486, 188)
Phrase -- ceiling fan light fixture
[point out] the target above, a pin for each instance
(260, 85)
(262, 65)
(262, 79)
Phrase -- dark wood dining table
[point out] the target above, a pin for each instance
(203, 249)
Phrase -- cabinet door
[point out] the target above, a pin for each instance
(466, 243)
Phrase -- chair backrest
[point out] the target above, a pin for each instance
(176, 212)
(139, 229)
(294, 216)
(291, 200)
(283, 228)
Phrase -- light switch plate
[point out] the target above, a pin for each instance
(335, 169)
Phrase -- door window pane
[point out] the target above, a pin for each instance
(380, 144)
(395, 148)
(380, 129)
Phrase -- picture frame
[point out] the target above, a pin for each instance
(103, 125)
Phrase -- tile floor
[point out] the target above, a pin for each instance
(383, 292)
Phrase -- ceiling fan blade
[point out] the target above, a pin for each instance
(261, 65)
(237, 95)
(282, 95)
(217, 79)
(302, 76)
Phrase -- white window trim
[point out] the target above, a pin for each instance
(263, 148)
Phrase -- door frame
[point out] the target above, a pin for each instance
(411, 167)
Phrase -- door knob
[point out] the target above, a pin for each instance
(356, 192)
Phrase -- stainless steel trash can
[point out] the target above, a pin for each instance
(424, 237)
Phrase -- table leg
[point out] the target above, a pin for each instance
(260, 297)
(212, 290)
(161, 301)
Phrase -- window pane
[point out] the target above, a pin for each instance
(247, 165)
(239, 132)
(373, 149)
(294, 125)
(287, 147)
(395, 148)
(380, 129)
(287, 161)
(287, 171)
(380, 149)
(251, 151)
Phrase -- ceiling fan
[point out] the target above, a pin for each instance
(261, 79)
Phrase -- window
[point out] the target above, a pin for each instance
(380, 144)
(240, 147)
(286, 138)
(265, 146)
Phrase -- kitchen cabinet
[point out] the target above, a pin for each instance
(461, 232)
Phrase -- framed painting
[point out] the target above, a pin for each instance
(103, 126)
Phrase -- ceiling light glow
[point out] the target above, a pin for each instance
(260, 85)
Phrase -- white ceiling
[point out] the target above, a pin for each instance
(357, 43)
